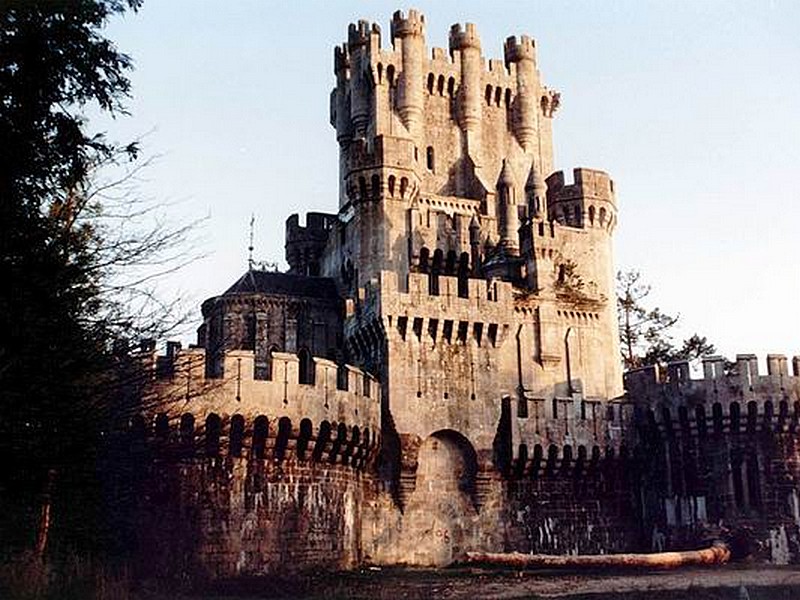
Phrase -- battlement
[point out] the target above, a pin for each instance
(588, 183)
(361, 34)
(464, 37)
(298, 386)
(341, 60)
(318, 224)
(722, 383)
(413, 24)
(515, 51)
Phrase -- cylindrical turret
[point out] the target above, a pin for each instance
(340, 107)
(468, 44)
(509, 225)
(360, 85)
(411, 33)
(475, 243)
(536, 193)
(525, 117)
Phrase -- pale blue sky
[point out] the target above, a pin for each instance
(693, 107)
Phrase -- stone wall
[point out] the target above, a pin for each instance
(238, 476)
(722, 454)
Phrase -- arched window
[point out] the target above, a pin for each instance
(430, 83)
(260, 432)
(522, 460)
(700, 416)
(463, 276)
(552, 458)
(236, 435)
(367, 386)
(403, 186)
(450, 263)
(735, 417)
(783, 414)
(380, 73)
(769, 411)
(342, 376)
(323, 437)
(591, 215)
(306, 431)
(566, 459)
(429, 157)
(213, 429)
(284, 432)
(362, 188)
(498, 95)
(536, 462)
(716, 412)
(440, 85)
(451, 87)
(392, 180)
(436, 269)
(752, 416)
(602, 217)
(508, 98)
(376, 186)
(305, 367)
(424, 257)
(390, 75)
(186, 432)
(162, 426)
(488, 95)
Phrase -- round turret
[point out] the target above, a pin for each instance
(525, 124)
(410, 31)
(466, 41)
(536, 193)
(509, 226)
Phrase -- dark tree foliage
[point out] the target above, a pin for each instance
(646, 333)
(55, 358)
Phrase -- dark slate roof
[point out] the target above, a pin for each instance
(270, 282)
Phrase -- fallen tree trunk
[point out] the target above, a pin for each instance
(717, 554)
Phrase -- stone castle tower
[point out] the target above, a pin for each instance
(439, 370)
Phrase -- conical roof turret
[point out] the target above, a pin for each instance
(506, 178)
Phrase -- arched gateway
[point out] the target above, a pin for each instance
(441, 512)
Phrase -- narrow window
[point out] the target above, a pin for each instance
(186, 432)
(236, 435)
(282, 441)
(306, 431)
(305, 367)
(429, 155)
(260, 431)
(430, 83)
(213, 428)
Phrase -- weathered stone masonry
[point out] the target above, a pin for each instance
(438, 371)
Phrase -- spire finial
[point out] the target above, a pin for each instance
(250, 262)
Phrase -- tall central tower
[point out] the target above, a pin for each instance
(478, 282)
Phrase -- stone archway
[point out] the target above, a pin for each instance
(440, 518)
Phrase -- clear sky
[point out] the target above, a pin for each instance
(693, 107)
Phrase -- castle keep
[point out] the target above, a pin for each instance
(438, 371)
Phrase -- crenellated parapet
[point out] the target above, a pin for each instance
(588, 202)
(299, 388)
(305, 245)
(730, 397)
(569, 427)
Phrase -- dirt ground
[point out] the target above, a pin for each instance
(730, 582)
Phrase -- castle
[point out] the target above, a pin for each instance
(438, 371)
